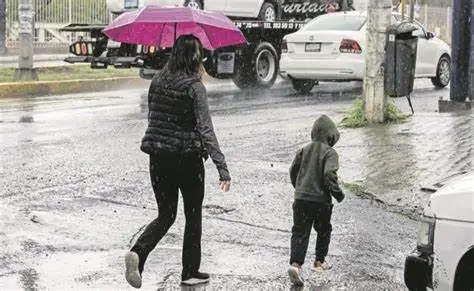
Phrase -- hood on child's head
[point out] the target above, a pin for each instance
(325, 131)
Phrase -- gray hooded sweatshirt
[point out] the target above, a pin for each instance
(313, 172)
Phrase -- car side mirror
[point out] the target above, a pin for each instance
(430, 35)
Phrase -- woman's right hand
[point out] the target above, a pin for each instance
(225, 185)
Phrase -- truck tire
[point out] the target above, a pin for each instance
(242, 77)
(268, 12)
(303, 86)
(258, 68)
(196, 4)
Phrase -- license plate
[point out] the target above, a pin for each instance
(313, 47)
(113, 44)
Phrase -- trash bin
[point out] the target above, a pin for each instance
(400, 59)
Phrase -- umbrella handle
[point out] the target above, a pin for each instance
(175, 31)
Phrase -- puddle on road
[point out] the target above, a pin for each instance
(395, 161)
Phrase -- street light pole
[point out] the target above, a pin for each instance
(375, 99)
(25, 70)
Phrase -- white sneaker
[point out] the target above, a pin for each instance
(295, 275)
(131, 270)
(196, 279)
(320, 267)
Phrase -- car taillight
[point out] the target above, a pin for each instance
(284, 46)
(350, 46)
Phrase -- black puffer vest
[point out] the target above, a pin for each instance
(171, 119)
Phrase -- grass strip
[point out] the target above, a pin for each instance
(70, 72)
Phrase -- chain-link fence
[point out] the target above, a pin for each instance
(437, 19)
(51, 16)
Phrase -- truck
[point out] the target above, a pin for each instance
(444, 255)
(255, 65)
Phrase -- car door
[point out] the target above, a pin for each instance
(426, 57)
(243, 8)
(216, 5)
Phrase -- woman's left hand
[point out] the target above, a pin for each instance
(225, 185)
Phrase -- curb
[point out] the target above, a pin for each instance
(36, 58)
(42, 88)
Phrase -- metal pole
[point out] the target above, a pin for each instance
(375, 100)
(412, 10)
(3, 27)
(70, 11)
(403, 4)
(461, 41)
(426, 14)
(26, 14)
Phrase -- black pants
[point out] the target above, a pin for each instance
(168, 175)
(306, 215)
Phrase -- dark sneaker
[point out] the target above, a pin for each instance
(294, 271)
(195, 279)
(131, 270)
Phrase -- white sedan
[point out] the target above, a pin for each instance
(267, 10)
(331, 48)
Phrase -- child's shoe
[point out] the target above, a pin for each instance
(131, 270)
(195, 279)
(295, 274)
(324, 266)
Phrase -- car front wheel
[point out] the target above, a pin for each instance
(268, 12)
(443, 73)
(196, 4)
(303, 86)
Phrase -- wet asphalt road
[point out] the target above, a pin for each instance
(75, 193)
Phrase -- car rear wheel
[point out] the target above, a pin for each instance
(268, 12)
(303, 86)
(443, 73)
(196, 4)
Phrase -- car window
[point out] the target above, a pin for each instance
(130, 4)
(336, 22)
(420, 31)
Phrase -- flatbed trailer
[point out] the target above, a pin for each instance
(253, 65)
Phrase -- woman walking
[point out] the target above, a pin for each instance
(180, 135)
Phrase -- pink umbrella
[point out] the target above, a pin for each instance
(161, 25)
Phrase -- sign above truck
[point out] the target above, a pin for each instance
(308, 9)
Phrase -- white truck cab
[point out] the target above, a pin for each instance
(444, 258)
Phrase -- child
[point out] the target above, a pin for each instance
(314, 176)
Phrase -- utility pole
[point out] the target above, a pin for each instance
(26, 15)
(379, 15)
(461, 48)
(471, 95)
(3, 27)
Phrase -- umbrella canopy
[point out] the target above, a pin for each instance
(161, 25)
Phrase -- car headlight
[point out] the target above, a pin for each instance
(425, 235)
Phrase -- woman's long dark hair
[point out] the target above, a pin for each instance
(186, 55)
